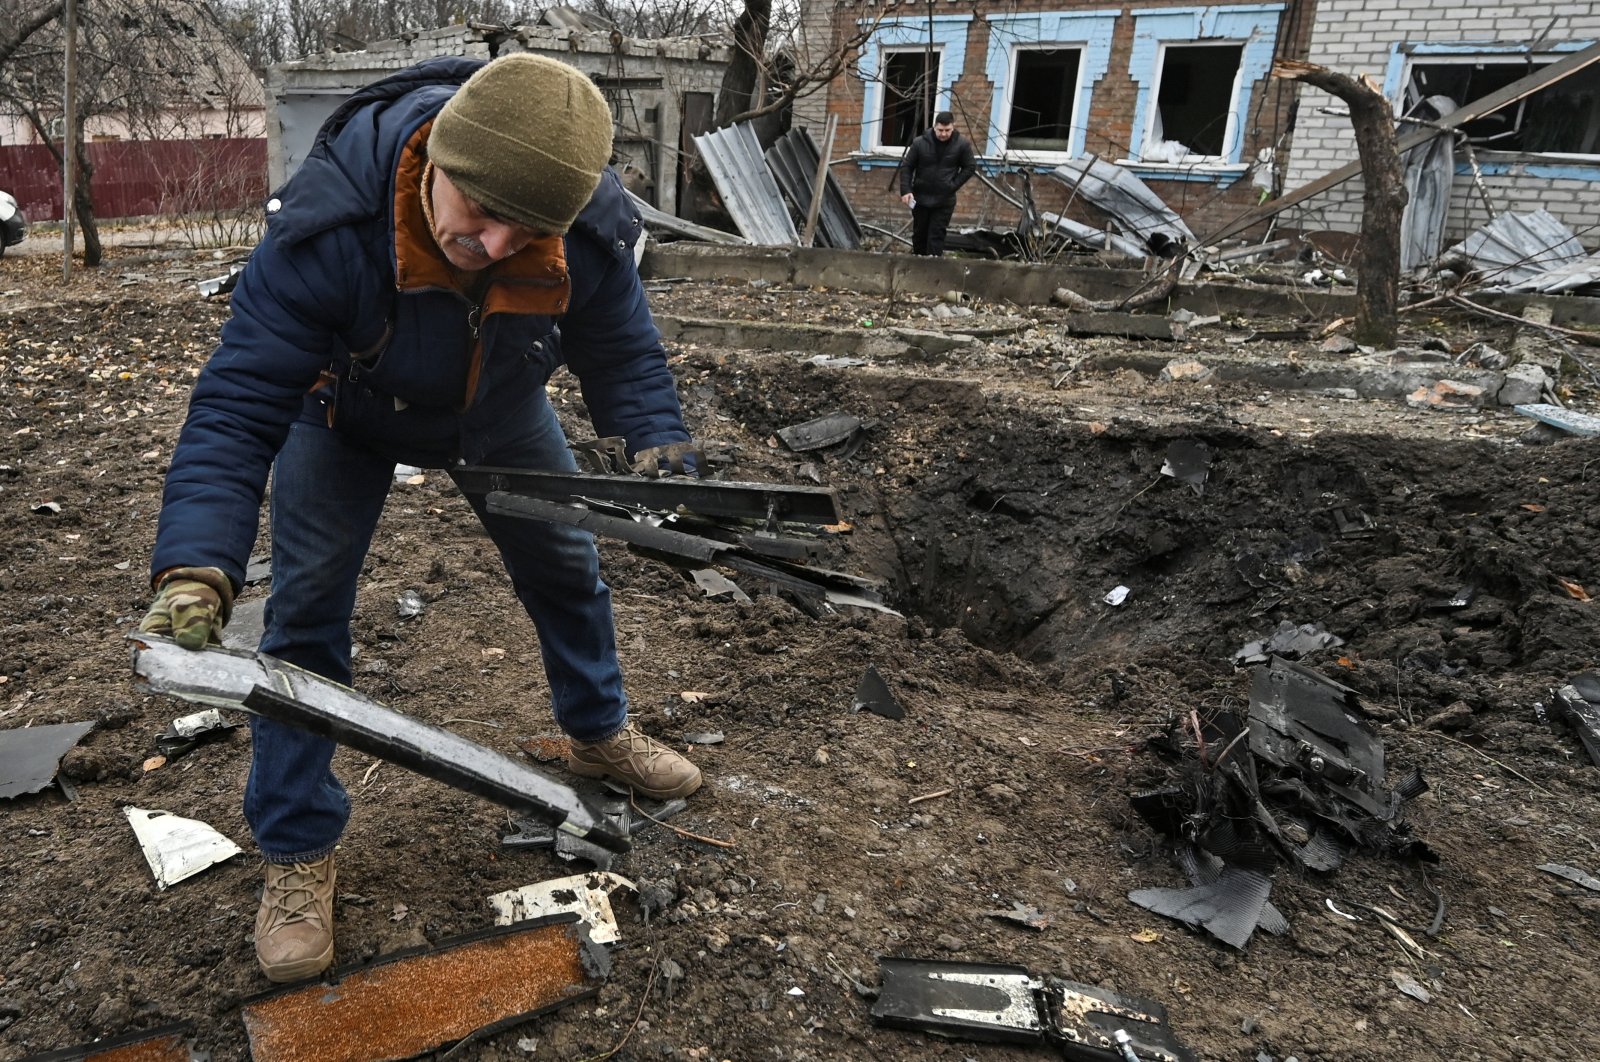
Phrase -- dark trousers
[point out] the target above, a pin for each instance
(928, 225)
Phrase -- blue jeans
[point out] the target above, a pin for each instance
(327, 495)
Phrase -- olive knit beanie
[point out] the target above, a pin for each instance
(526, 137)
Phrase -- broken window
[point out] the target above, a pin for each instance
(1559, 119)
(1197, 68)
(907, 93)
(1044, 94)
(1197, 90)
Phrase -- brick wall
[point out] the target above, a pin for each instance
(1360, 36)
(1206, 203)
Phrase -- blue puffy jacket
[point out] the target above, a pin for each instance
(346, 314)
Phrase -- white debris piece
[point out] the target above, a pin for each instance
(175, 847)
(588, 895)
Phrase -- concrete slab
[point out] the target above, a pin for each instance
(1019, 283)
(1565, 419)
(1127, 325)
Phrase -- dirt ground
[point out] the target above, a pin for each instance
(999, 495)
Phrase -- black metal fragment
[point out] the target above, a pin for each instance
(31, 756)
(831, 430)
(1578, 705)
(874, 695)
(998, 1003)
(714, 499)
(1188, 461)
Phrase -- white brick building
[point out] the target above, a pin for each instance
(1544, 152)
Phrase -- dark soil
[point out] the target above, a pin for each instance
(999, 496)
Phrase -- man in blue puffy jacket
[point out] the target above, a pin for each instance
(403, 307)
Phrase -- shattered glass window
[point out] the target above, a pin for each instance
(1044, 92)
(1559, 119)
(1195, 102)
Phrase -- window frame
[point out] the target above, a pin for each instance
(1406, 55)
(1230, 131)
(1251, 27)
(908, 34)
(1090, 32)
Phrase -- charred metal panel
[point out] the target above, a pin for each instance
(710, 498)
(1308, 723)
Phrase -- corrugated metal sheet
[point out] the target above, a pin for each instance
(1516, 249)
(134, 178)
(748, 191)
(793, 161)
(1122, 195)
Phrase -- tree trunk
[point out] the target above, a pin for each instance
(1382, 204)
(93, 252)
(739, 81)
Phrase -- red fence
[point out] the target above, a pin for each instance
(134, 178)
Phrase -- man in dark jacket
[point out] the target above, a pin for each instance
(402, 307)
(935, 167)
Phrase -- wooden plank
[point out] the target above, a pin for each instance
(1517, 90)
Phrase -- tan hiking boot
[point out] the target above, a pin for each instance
(294, 928)
(634, 760)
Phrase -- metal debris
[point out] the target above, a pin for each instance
(716, 585)
(586, 895)
(1188, 461)
(188, 732)
(1301, 779)
(410, 604)
(220, 285)
(661, 221)
(175, 847)
(1289, 640)
(1228, 901)
(1567, 420)
(1410, 986)
(169, 1043)
(405, 1005)
(1139, 211)
(31, 756)
(1572, 874)
(749, 193)
(873, 694)
(1025, 915)
(997, 1003)
(257, 683)
(793, 159)
(1526, 251)
(1578, 705)
(831, 430)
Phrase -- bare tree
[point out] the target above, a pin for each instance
(138, 66)
(25, 22)
(1383, 199)
(663, 18)
(792, 77)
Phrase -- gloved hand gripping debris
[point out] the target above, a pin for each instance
(192, 605)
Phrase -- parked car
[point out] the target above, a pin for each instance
(13, 226)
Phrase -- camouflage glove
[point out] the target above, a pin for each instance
(673, 459)
(192, 605)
